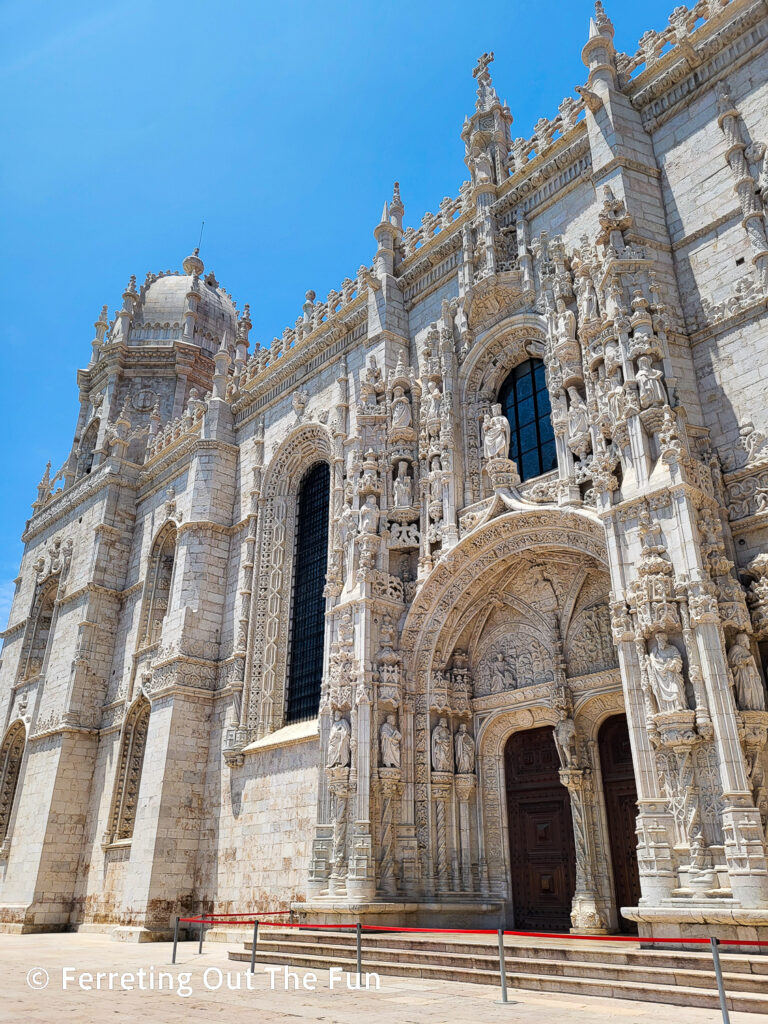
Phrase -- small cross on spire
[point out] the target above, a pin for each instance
(482, 64)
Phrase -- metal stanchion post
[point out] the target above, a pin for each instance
(359, 951)
(719, 976)
(253, 946)
(202, 926)
(175, 940)
(503, 971)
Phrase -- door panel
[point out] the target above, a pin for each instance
(621, 808)
(540, 833)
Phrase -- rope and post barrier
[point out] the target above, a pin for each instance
(719, 976)
(253, 945)
(175, 940)
(359, 931)
(202, 927)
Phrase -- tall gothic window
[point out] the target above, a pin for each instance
(158, 586)
(308, 611)
(37, 642)
(524, 401)
(87, 449)
(128, 780)
(11, 754)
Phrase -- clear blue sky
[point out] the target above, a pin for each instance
(282, 125)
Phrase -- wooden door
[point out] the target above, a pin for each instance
(621, 808)
(540, 833)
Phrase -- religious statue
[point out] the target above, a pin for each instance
(464, 746)
(390, 743)
(750, 695)
(442, 759)
(502, 676)
(338, 742)
(565, 741)
(369, 516)
(403, 486)
(588, 300)
(435, 480)
(401, 409)
(566, 322)
(496, 434)
(434, 400)
(612, 354)
(578, 420)
(347, 534)
(666, 676)
(650, 384)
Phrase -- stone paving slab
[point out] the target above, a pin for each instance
(408, 1001)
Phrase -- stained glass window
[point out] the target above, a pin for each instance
(524, 401)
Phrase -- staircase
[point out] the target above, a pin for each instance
(618, 970)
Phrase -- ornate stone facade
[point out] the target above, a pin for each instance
(148, 767)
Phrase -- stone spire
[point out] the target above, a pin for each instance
(486, 133)
(396, 208)
(486, 94)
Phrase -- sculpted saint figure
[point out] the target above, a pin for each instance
(347, 534)
(566, 322)
(401, 409)
(434, 399)
(588, 301)
(666, 672)
(750, 695)
(578, 420)
(390, 743)
(496, 434)
(442, 760)
(338, 742)
(403, 487)
(565, 741)
(369, 516)
(502, 676)
(649, 384)
(465, 751)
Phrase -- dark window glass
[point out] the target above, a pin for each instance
(308, 620)
(525, 402)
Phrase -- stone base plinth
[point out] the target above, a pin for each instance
(699, 920)
(445, 913)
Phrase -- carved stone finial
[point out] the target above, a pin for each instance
(193, 265)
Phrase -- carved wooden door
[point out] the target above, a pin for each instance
(621, 808)
(540, 833)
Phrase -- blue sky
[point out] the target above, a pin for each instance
(281, 125)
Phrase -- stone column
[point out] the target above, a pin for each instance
(465, 787)
(390, 792)
(442, 786)
(586, 915)
(338, 785)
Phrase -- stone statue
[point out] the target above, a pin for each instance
(502, 676)
(442, 760)
(565, 741)
(650, 384)
(403, 487)
(338, 742)
(347, 534)
(588, 301)
(401, 409)
(436, 480)
(369, 516)
(750, 695)
(578, 420)
(496, 434)
(390, 743)
(434, 400)
(666, 671)
(465, 751)
(566, 322)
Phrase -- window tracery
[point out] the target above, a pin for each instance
(524, 400)
(128, 781)
(158, 586)
(11, 754)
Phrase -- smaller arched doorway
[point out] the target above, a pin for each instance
(541, 849)
(621, 808)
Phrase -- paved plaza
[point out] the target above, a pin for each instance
(76, 992)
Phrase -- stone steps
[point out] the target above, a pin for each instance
(670, 977)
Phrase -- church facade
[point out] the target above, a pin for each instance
(450, 604)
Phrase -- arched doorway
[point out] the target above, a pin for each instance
(621, 807)
(541, 849)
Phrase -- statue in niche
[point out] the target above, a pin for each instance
(436, 480)
(502, 675)
(442, 757)
(665, 665)
(354, 463)
(496, 434)
(465, 751)
(369, 516)
(403, 487)
(347, 534)
(338, 742)
(566, 322)
(434, 400)
(390, 739)
(612, 354)
(750, 695)
(401, 409)
(346, 629)
(565, 741)
(578, 420)
(650, 385)
(588, 305)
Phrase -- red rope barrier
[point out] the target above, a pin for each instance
(227, 919)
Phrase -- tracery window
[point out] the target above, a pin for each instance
(87, 449)
(308, 608)
(525, 402)
(36, 645)
(11, 754)
(129, 772)
(158, 586)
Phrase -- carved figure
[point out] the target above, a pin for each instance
(502, 676)
(390, 739)
(578, 420)
(442, 755)
(338, 742)
(369, 516)
(403, 487)
(750, 695)
(666, 671)
(465, 751)
(565, 741)
(401, 409)
(347, 534)
(650, 384)
(434, 399)
(566, 322)
(496, 434)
